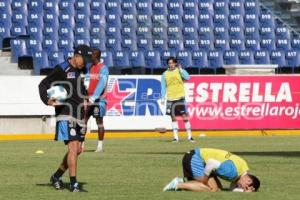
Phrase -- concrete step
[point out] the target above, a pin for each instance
(9, 68)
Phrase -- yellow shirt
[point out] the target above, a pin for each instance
(221, 156)
(175, 84)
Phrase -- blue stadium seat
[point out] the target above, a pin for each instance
(262, 57)
(175, 7)
(278, 58)
(81, 6)
(65, 45)
(206, 6)
(160, 44)
(175, 20)
(206, 32)
(113, 32)
(282, 32)
(175, 44)
(35, 33)
(35, 19)
(98, 30)
(69, 54)
(293, 59)
(18, 30)
(128, 44)
(174, 31)
(191, 44)
(4, 33)
(144, 44)
(67, 5)
(107, 58)
(295, 43)
(190, 20)
(79, 41)
(113, 7)
(266, 19)
(129, 20)
(113, 44)
(50, 31)
(55, 58)
(159, 32)
(51, 19)
(137, 59)
(18, 49)
(252, 44)
(200, 59)
(221, 44)
(236, 20)
(98, 42)
(185, 59)
(144, 20)
(267, 32)
(252, 32)
(5, 20)
(190, 32)
(40, 60)
(159, 20)
(221, 20)
(144, 32)
(251, 20)
(66, 19)
(144, 7)
(98, 7)
(267, 44)
(236, 32)
(236, 7)
(152, 59)
(246, 57)
(164, 55)
(215, 59)
(19, 6)
(50, 45)
(128, 31)
(113, 20)
(129, 7)
(206, 44)
(98, 20)
(51, 6)
(190, 7)
(206, 20)
(252, 7)
(82, 19)
(19, 19)
(33, 46)
(237, 44)
(283, 44)
(65, 33)
(82, 32)
(121, 59)
(231, 57)
(159, 7)
(221, 31)
(221, 7)
(5, 7)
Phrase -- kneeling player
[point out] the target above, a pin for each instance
(203, 166)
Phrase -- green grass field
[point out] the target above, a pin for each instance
(139, 168)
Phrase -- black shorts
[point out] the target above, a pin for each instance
(186, 165)
(69, 131)
(176, 108)
(98, 109)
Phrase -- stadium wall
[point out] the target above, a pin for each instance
(214, 103)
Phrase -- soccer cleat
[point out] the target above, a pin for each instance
(57, 183)
(191, 140)
(99, 150)
(175, 140)
(76, 188)
(172, 186)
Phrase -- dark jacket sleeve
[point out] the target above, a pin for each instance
(45, 84)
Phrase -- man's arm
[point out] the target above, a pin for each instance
(101, 84)
(211, 165)
(45, 84)
(184, 74)
(163, 87)
(197, 186)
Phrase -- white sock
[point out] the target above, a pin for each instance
(100, 144)
(175, 130)
(188, 129)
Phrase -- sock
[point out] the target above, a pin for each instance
(175, 130)
(100, 144)
(73, 180)
(58, 173)
(188, 129)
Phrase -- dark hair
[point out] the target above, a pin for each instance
(172, 58)
(97, 51)
(255, 182)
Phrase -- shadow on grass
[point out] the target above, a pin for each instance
(65, 185)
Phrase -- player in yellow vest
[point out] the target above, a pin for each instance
(172, 86)
(203, 166)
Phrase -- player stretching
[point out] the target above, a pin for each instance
(70, 126)
(95, 82)
(172, 83)
(203, 166)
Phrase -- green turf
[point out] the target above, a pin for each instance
(139, 168)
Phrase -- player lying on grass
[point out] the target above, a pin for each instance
(203, 166)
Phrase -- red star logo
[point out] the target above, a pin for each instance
(115, 99)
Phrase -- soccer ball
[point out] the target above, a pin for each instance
(58, 93)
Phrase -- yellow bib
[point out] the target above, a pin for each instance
(175, 85)
(221, 155)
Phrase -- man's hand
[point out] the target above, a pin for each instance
(53, 102)
(162, 102)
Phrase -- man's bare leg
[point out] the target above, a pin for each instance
(101, 133)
